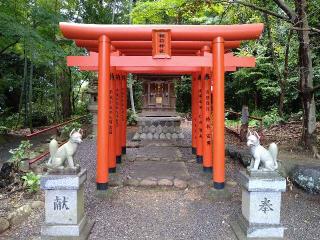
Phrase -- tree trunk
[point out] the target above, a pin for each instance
(113, 11)
(283, 83)
(25, 69)
(255, 100)
(244, 123)
(65, 96)
(130, 80)
(55, 84)
(130, 83)
(275, 65)
(30, 98)
(306, 77)
(25, 89)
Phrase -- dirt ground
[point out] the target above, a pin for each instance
(287, 136)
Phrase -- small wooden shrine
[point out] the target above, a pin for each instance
(159, 98)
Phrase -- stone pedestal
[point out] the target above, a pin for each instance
(64, 207)
(261, 205)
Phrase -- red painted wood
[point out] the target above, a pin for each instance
(178, 32)
(175, 61)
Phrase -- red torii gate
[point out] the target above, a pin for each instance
(116, 50)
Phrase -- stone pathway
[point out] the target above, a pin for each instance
(157, 164)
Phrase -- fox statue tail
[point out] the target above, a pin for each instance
(53, 148)
(273, 149)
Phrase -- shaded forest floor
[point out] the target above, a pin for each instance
(287, 136)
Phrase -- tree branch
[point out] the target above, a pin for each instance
(306, 29)
(271, 13)
(316, 88)
(290, 13)
(261, 9)
(286, 57)
(10, 45)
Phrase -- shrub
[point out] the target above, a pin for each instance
(31, 182)
(272, 118)
(21, 152)
(254, 123)
(183, 92)
(11, 121)
(3, 130)
(131, 117)
(68, 128)
(232, 123)
(39, 118)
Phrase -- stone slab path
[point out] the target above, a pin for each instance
(157, 164)
(148, 169)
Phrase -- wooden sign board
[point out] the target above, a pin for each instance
(161, 43)
(159, 100)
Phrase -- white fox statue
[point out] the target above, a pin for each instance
(264, 160)
(58, 155)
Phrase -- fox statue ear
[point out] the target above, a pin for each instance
(249, 133)
(71, 132)
(80, 131)
(256, 134)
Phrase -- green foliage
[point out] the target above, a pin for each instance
(3, 130)
(131, 117)
(272, 118)
(39, 118)
(10, 121)
(30, 35)
(176, 12)
(232, 123)
(66, 130)
(183, 92)
(137, 95)
(31, 181)
(23, 151)
(237, 123)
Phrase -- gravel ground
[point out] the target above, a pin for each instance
(135, 213)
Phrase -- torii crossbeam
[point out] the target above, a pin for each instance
(203, 51)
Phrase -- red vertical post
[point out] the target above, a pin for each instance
(193, 113)
(123, 120)
(103, 113)
(199, 119)
(118, 119)
(112, 126)
(206, 122)
(218, 113)
(121, 113)
(124, 138)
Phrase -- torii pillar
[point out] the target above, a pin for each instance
(103, 113)
(218, 113)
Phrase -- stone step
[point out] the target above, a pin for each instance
(151, 182)
(152, 174)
